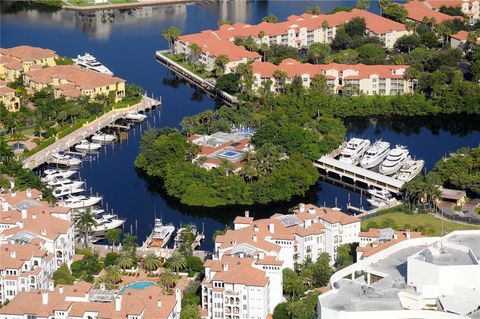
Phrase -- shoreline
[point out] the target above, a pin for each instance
(132, 5)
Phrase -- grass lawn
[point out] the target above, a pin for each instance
(426, 220)
(204, 75)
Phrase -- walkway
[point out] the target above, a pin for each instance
(86, 130)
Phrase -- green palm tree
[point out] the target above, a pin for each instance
(124, 260)
(113, 236)
(85, 223)
(171, 34)
(195, 51)
(187, 237)
(168, 279)
(151, 262)
(114, 274)
(176, 262)
(220, 62)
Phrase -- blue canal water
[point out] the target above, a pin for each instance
(126, 41)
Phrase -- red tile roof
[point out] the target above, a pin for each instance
(28, 53)
(417, 10)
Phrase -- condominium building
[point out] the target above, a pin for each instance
(7, 96)
(248, 260)
(18, 60)
(471, 8)
(72, 81)
(459, 39)
(297, 31)
(340, 78)
(81, 301)
(35, 240)
(420, 10)
(422, 277)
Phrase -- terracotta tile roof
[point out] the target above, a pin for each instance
(376, 247)
(371, 233)
(437, 4)
(417, 10)
(28, 53)
(243, 220)
(5, 90)
(327, 214)
(242, 274)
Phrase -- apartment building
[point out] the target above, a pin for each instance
(459, 39)
(81, 301)
(8, 97)
(419, 10)
(298, 31)
(248, 260)
(422, 277)
(35, 239)
(341, 78)
(18, 60)
(72, 81)
(471, 8)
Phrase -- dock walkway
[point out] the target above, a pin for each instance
(86, 130)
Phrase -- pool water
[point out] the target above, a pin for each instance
(230, 154)
(138, 286)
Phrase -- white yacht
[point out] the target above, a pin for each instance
(394, 160)
(51, 174)
(410, 169)
(103, 137)
(380, 197)
(64, 159)
(134, 116)
(94, 211)
(80, 201)
(88, 61)
(60, 182)
(375, 154)
(106, 223)
(85, 145)
(354, 150)
(65, 191)
(161, 234)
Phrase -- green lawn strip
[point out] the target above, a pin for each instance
(414, 220)
(204, 75)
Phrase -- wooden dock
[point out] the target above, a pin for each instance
(87, 130)
(191, 77)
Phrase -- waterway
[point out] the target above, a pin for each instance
(126, 41)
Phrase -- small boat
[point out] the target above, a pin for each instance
(179, 236)
(380, 197)
(375, 154)
(410, 169)
(106, 223)
(161, 234)
(65, 191)
(81, 201)
(85, 145)
(88, 61)
(135, 116)
(59, 182)
(354, 150)
(394, 160)
(65, 160)
(51, 174)
(103, 138)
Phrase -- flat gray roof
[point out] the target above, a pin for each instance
(448, 256)
(470, 241)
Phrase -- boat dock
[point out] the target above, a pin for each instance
(87, 130)
(191, 77)
(357, 175)
(363, 213)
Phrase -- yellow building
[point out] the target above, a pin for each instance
(72, 81)
(8, 98)
(17, 60)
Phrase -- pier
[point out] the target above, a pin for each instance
(357, 175)
(191, 77)
(87, 130)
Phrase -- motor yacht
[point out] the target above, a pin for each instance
(354, 150)
(394, 160)
(88, 61)
(161, 234)
(106, 223)
(65, 191)
(51, 174)
(94, 211)
(380, 197)
(65, 160)
(134, 116)
(375, 154)
(410, 169)
(103, 138)
(81, 201)
(59, 182)
(85, 145)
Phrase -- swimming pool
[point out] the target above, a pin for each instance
(230, 154)
(138, 286)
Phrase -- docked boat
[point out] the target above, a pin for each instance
(180, 234)
(66, 191)
(380, 197)
(64, 160)
(64, 182)
(354, 150)
(135, 116)
(375, 154)
(85, 145)
(94, 211)
(410, 169)
(51, 174)
(394, 160)
(103, 138)
(88, 61)
(106, 223)
(81, 201)
(161, 234)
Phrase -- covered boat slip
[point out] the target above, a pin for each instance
(358, 174)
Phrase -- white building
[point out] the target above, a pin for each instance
(423, 277)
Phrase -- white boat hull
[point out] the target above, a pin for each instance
(102, 229)
(83, 203)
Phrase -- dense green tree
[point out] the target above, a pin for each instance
(190, 312)
(222, 22)
(167, 279)
(362, 4)
(113, 236)
(151, 262)
(292, 283)
(407, 43)
(371, 54)
(229, 83)
(344, 256)
(85, 223)
(281, 311)
(317, 52)
(348, 56)
(270, 18)
(110, 259)
(452, 11)
(395, 12)
(356, 27)
(63, 276)
(176, 262)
